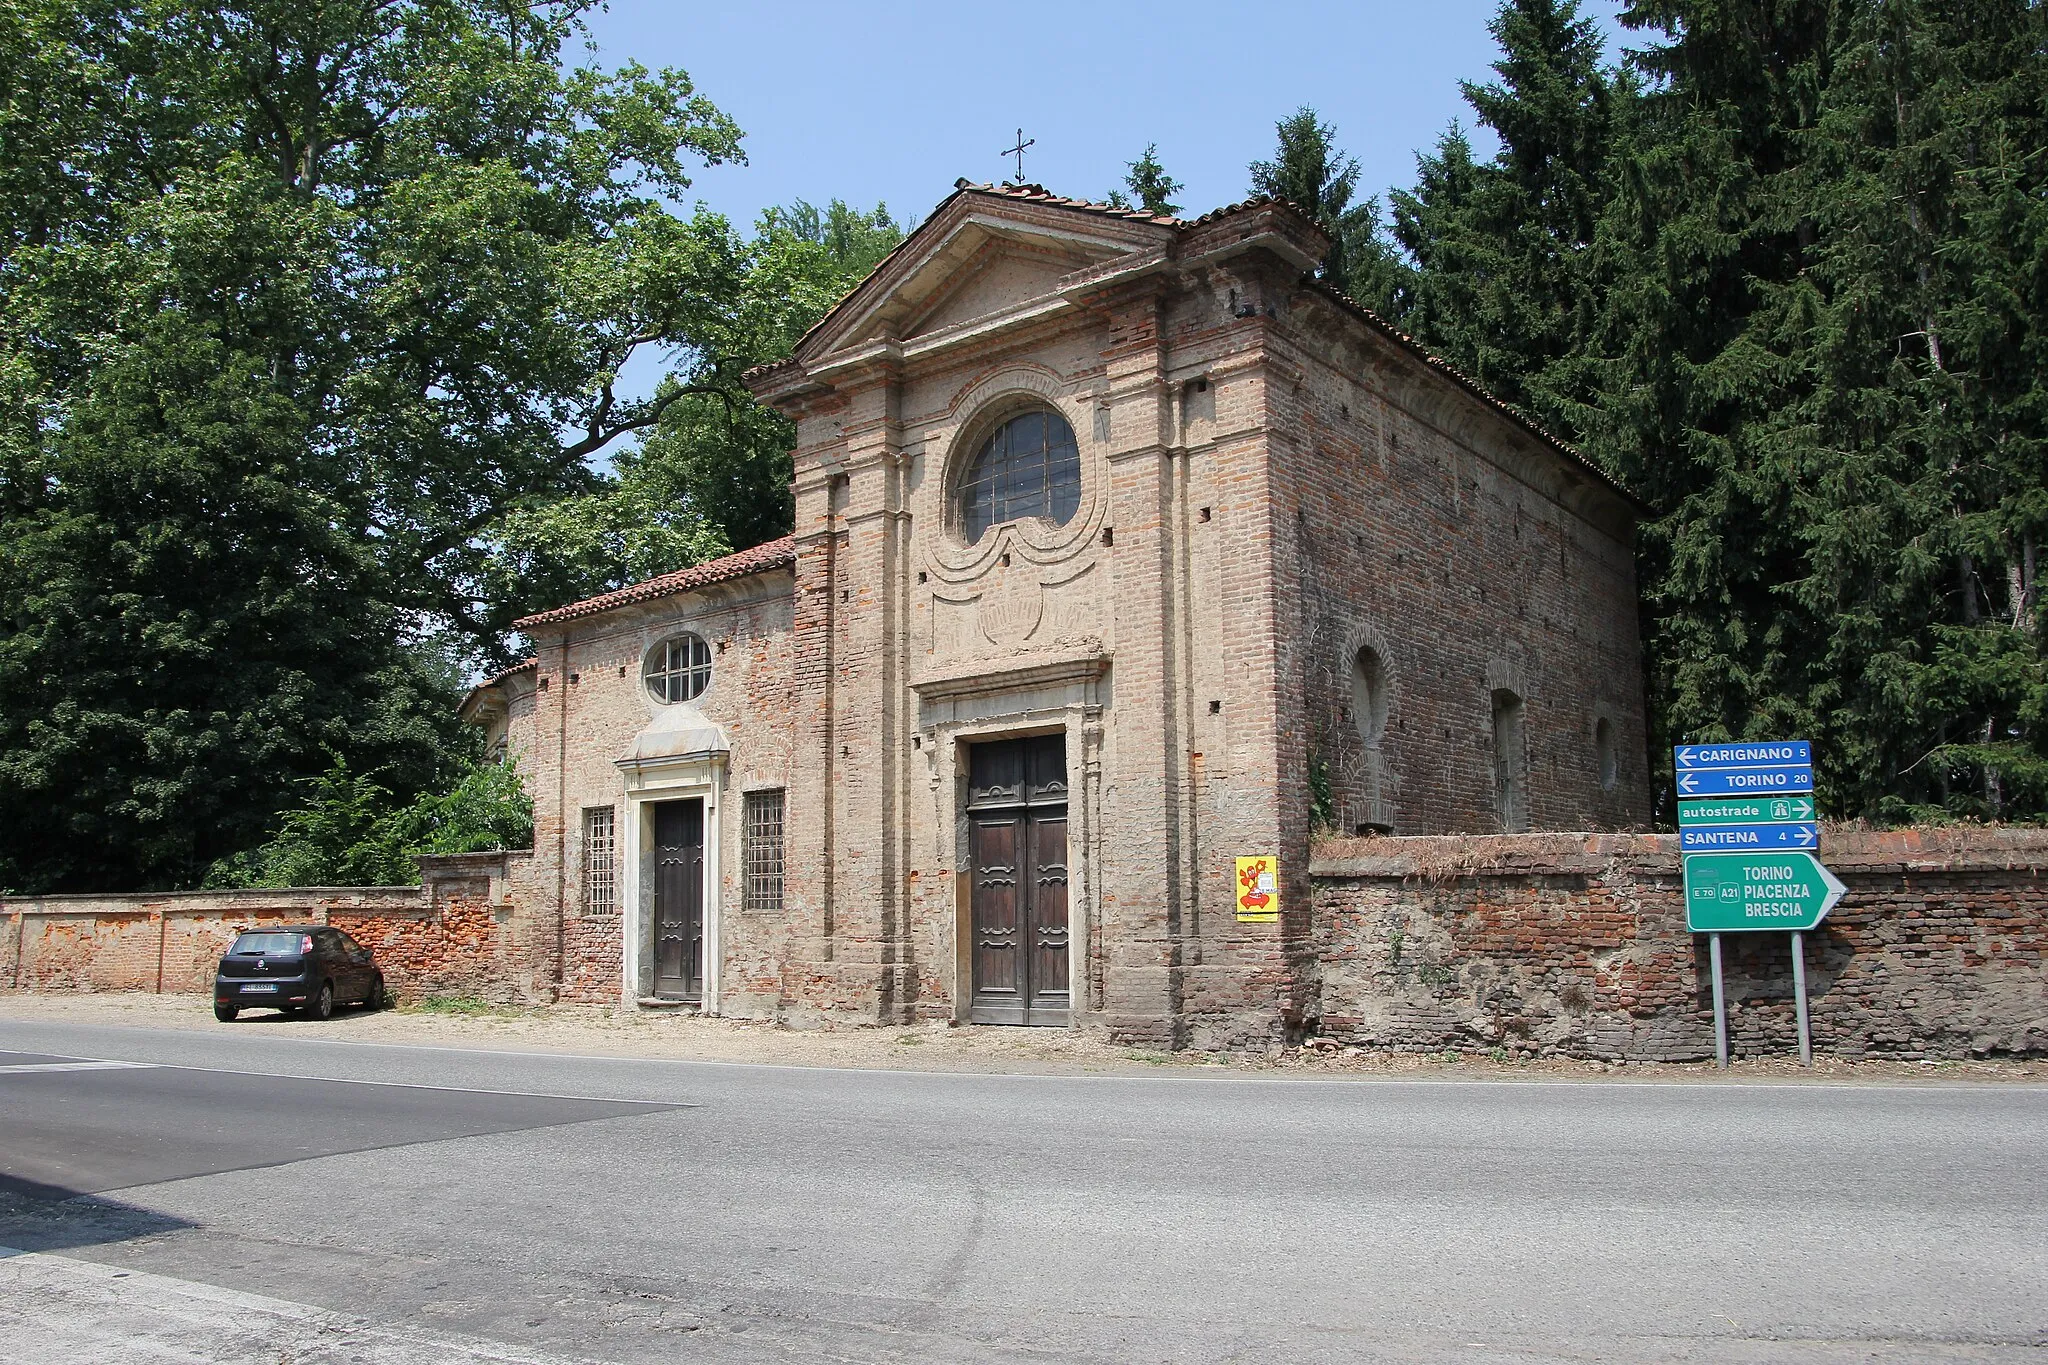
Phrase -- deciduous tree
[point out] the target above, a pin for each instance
(296, 301)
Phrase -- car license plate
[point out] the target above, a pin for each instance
(260, 990)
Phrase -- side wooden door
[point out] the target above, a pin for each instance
(679, 900)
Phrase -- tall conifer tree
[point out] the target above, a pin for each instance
(1916, 427)
(1822, 339)
(1310, 171)
(1503, 283)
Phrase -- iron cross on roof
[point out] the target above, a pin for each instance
(1018, 151)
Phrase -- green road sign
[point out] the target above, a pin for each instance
(1731, 892)
(1746, 810)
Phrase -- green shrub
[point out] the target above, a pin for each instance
(349, 832)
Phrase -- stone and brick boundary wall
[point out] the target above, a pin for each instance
(1551, 944)
(1575, 945)
(457, 934)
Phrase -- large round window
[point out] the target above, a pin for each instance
(678, 669)
(1029, 467)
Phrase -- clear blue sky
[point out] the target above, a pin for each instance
(891, 102)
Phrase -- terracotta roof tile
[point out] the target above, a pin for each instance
(503, 674)
(1257, 201)
(1040, 194)
(775, 554)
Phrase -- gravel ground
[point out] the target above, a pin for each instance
(597, 1031)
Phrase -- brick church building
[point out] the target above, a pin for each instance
(1126, 557)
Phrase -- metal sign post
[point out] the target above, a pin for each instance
(1720, 1005)
(1799, 993)
(1746, 830)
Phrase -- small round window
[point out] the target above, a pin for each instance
(678, 669)
(1028, 467)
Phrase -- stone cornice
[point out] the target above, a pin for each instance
(985, 679)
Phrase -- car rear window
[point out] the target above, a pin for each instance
(268, 945)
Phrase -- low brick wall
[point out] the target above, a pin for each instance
(453, 935)
(1576, 945)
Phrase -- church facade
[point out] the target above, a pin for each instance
(1127, 556)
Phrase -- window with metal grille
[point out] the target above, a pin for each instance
(1030, 467)
(764, 850)
(678, 669)
(600, 863)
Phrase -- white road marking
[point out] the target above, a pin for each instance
(7, 1068)
(59, 1308)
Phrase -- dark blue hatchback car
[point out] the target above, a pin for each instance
(306, 969)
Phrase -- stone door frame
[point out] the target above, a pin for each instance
(650, 781)
(1061, 695)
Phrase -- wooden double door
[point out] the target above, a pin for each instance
(679, 900)
(1017, 843)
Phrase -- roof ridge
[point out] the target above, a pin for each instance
(771, 554)
(1475, 388)
(1031, 190)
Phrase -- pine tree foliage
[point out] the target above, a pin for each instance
(1503, 282)
(1310, 171)
(1147, 186)
(1818, 332)
(1779, 270)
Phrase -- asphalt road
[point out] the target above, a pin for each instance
(256, 1197)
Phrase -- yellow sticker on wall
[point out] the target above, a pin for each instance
(1258, 890)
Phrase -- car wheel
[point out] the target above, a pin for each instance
(323, 1003)
(373, 999)
(225, 1013)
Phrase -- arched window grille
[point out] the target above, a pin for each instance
(1028, 467)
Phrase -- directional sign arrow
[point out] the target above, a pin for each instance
(1710, 838)
(1768, 753)
(1746, 810)
(1734, 892)
(1744, 781)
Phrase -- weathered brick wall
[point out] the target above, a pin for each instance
(589, 704)
(1469, 557)
(1576, 945)
(455, 935)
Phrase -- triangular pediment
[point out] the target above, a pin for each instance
(981, 254)
(1002, 275)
